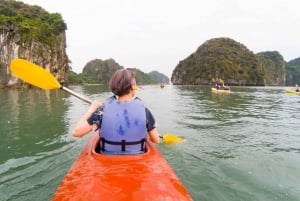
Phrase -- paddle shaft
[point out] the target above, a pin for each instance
(76, 95)
(83, 98)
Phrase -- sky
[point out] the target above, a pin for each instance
(158, 34)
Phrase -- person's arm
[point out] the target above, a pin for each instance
(83, 127)
(154, 137)
(151, 128)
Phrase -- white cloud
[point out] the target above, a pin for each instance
(156, 35)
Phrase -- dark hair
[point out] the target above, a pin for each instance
(122, 81)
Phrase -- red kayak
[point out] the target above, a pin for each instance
(140, 177)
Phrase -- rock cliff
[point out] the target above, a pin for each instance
(100, 71)
(273, 68)
(293, 72)
(31, 33)
(231, 61)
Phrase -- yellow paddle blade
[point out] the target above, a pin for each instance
(33, 74)
(170, 138)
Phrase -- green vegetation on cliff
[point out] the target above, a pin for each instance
(31, 22)
(272, 66)
(232, 62)
(99, 71)
(30, 32)
(143, 78)
(159, 77)
(293, 72)
(76, 79)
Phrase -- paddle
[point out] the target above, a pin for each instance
(40, 77)
(171, 138)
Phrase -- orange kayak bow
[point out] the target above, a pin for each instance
(95, 176)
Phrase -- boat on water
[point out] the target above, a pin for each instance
(220, 90)
(95, 176)
(291, 91)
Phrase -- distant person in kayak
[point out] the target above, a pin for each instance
(123, 121)
(296, 88)
(217, 85)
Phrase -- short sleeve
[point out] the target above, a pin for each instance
(150, 120)
(96, 118)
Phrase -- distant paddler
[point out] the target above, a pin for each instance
(296, 88)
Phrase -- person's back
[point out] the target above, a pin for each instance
(123, 128)
(124, 122)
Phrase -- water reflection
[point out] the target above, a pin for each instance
(255, 117)
(239, 146)
(27, 116)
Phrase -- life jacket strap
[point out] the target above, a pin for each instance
(123, 143)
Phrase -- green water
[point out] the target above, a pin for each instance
(243, 146)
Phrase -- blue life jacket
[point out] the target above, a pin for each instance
(123, 127)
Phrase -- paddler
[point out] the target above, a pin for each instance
(296, 88)
(123, 121)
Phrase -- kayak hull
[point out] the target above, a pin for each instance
(290, 91)
(220, 90)
(95, 176)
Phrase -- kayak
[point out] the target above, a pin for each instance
(220, 90)
(291, 91)
(95, 176)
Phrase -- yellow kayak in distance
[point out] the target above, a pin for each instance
(220, 90)
(291, 91)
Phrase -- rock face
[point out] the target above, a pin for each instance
(50, 54)
(159, 77)
(100, 71)
(231, 61)
(293, 72)
(54, 59)
(273, 67)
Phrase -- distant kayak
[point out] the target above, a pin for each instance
(220, 90)
(96, 176)
(291, 91)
